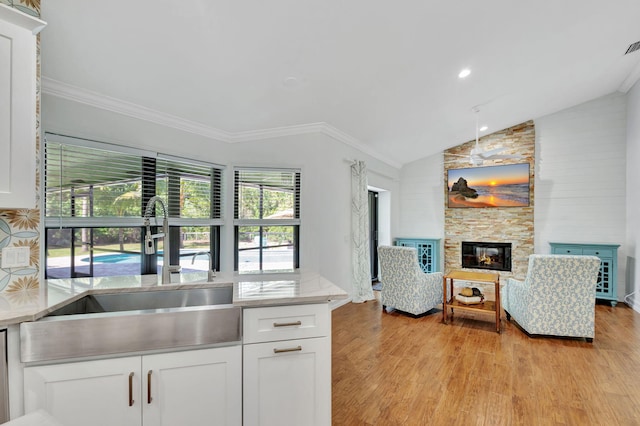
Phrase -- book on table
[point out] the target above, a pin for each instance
(469, 300)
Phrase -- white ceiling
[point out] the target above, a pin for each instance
(380, 75)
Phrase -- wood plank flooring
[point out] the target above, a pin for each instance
(392, 369)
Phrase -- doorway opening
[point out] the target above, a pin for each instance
(373, 234)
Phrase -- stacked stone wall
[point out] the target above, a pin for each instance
(513, 225)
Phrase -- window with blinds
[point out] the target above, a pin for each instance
(266, 219)
(95, 195)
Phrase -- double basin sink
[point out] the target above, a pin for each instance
(129, 322)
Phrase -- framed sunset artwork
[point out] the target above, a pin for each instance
(492, 186)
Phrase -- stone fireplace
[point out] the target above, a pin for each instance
(513, 225)
(486, 255)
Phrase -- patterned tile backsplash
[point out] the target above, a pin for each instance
(21, 227)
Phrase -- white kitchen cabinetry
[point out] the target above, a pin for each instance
(200, 387)
(83, 393)
(18, 66)
(287, 365)
(195, 388)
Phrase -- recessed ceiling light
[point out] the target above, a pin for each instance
(483, 128)
(464, 73)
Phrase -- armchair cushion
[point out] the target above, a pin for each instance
(404, 286)
(557, 296)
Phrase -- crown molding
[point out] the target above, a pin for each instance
(129, 109)
(97, 100)
(322, 128)
(300, 129)
(347, 139)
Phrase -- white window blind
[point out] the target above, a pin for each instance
(267, 195)
(86, 179)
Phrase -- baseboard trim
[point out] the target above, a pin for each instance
(334, 304)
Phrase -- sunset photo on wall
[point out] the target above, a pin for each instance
(493, 186)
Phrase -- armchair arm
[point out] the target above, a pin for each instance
(516, 287)
(431, 283)
(516, 297)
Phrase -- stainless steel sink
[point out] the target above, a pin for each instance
(145, 300)
(117, 323)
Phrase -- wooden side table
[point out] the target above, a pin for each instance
(487, 306)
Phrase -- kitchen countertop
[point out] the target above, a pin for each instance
(249, 290)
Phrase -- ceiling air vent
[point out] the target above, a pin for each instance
(633, 47)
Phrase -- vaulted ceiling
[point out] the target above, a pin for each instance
(379, 75)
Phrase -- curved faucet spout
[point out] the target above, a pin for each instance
(151, 204)
(148, 243)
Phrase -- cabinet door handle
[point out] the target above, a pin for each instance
(149, 399)
(279, 351)
(131, 389)
(287, 324)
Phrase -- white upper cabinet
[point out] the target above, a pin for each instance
(18, 66)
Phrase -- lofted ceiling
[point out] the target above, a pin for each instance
(379, 75)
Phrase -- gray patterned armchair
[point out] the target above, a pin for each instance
(404, 286)
(556, 298)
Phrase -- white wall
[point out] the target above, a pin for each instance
(580, 174)
(633, 200)
(325, 181)
(580, 193)
(421, 205)
(422, 199)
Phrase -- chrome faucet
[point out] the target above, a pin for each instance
(149, 248)
(211, 273)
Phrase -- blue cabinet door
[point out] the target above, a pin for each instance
(428, 252)
(607, 277)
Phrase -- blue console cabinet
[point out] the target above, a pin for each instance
(428, 252)
(607, 287)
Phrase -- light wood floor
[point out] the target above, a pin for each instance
(392, 369)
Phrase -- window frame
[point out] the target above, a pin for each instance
(148, 262)
(294, 222)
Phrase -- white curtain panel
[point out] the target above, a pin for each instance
(361, 269)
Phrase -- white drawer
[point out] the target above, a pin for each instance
(285, 323)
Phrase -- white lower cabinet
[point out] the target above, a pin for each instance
(83, 393)
(200, 387)
(281, 375)
(287, 380)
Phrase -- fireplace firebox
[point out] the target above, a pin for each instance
(486, 255)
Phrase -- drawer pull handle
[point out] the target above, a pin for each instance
(597, 252)
(149, 399)
(287, 324)
(131, 389)
(279, 351)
